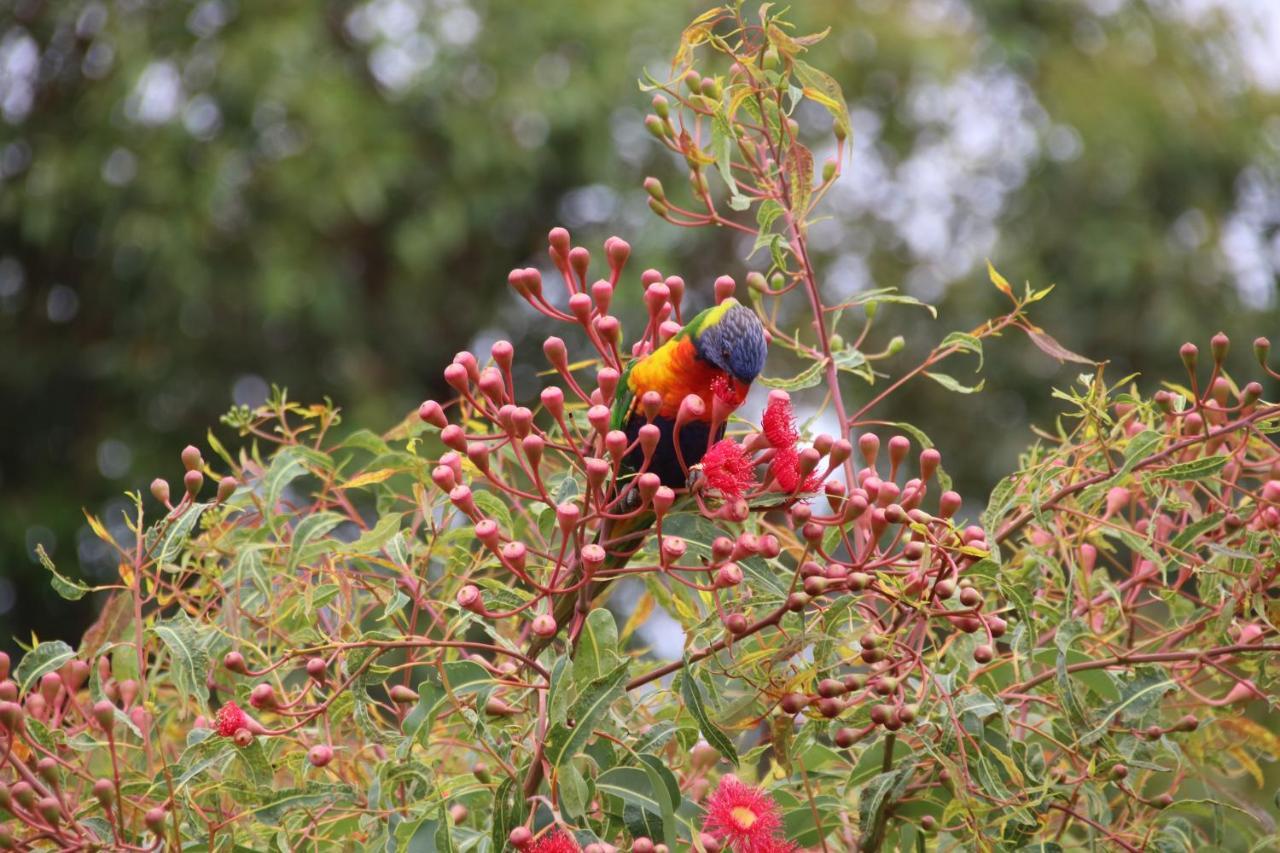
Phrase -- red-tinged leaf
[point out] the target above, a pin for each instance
(1047, 344)
(800, 175)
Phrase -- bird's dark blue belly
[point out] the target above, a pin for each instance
(665, 463)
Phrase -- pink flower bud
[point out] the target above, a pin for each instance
(544, 625)
(580, 261)
(462, 498)
(432, 413)
(1117, 499)
(593, 556)
(556, 353)
(1243, 691)
(487, 532)
(675, 289)
(673, 547)
(191, 457)
(442, 476)
(567, 515)
(11, 715)
(598, 417)
(667, 330)
(602, 296)
(456, 375)
(655, 296)
(617, 251)
(262, 696)
(869, 446)
(320, 755)
(649, 436)
(516, 554)
(553, 401)
(728, 575)
(930, 459)
(402, 694)
(469, 598)
(234, 661)
(1189, 354)
(160, 490)
(580, 307)
(597, 472)
(316, 668)
(898, 447)
(226, 488)
(663, 498)
(559, 240)
(608, 328)
(478, 453)
(492, 385)
(533, 446)
(721, 549)
(692, 407)
(192, 481)
(724, 288)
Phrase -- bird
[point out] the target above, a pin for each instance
(716, 355)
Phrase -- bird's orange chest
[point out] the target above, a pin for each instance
(674, 371)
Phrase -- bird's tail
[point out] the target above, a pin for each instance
(621, 540)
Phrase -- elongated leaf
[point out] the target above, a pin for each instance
(951, 384)
(1196, 469)
(1136, 698)
(692, 696)
(187, 642)
(822, 87)
(69, 589)
(309, 529)
(166, 539)
(806, 378)
(564, 742)
(44, 658)
(597, 651)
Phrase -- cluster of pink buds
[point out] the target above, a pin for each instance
(522, 456)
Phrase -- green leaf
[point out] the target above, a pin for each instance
(43, 659)
(563, 742)
(632, 786)
(875, 798)
(574, 794)
(188, 645)
(373, 539)
(288, 465)
(692, 697)
(889, 295)
(166, 538)
(65, 587)
(666, 790)
(965, 342)
(822, 87)
(313, 796)
(311, 527)
(806, 378)
(766, 214)
(1137, 697)
(597, 651)
(951, 384)
(494, 507)
(1196, 469)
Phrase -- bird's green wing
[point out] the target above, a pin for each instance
(623, 400)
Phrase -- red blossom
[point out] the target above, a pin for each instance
(786, 470)
(779, 422)
(556, 841)
(744, 818)
(728, 468)
(230, 719)
(779, 427)
(730, 393)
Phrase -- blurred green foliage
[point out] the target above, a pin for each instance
(199, 199)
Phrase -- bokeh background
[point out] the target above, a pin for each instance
(201, 199)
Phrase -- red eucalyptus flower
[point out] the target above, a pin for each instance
(779, 426)
(728, 468)
(746, 819)
(556, 841)
(230, 719)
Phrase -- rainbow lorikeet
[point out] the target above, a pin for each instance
(718, 354)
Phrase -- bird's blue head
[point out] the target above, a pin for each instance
(733, 340)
